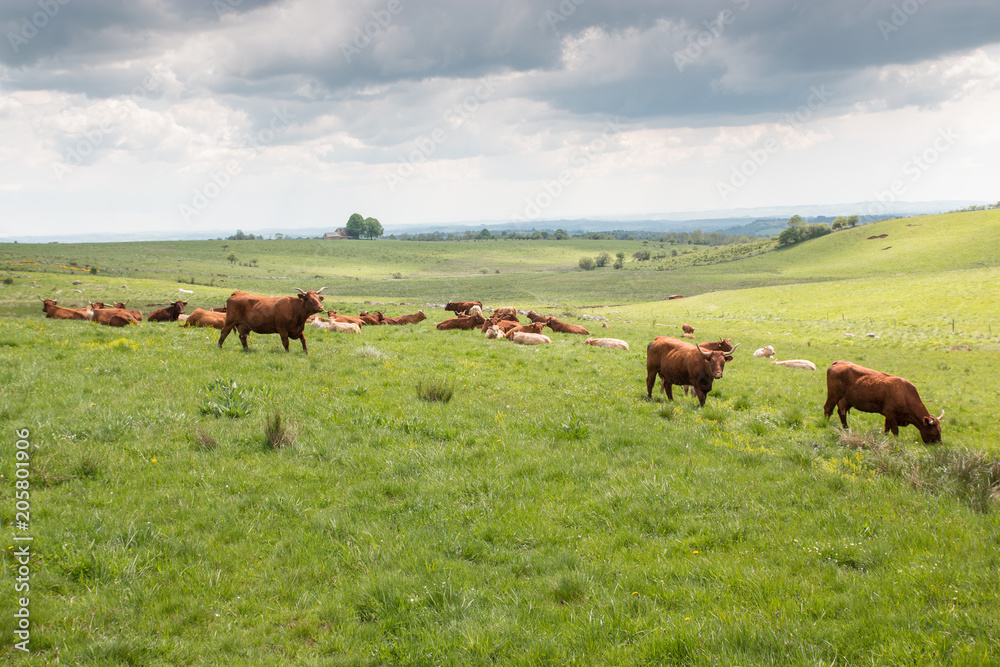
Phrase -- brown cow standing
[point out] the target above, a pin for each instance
(462, 306)
(721, 345)
(851, 386)
(284, 315)
(168, 314)
(56, 312)
(563, 327)
(679, 362)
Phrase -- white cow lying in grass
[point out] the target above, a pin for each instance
(524, 338)
(494, 332)
(765, 352)
(796, 363)
(336, 327)
(610, 343)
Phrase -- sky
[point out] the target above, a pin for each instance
(193, 115)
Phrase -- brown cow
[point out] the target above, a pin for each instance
(464, 323)
(205, 318)
(410, 319)
(851, 386)
(687, 328)
(721, 345)
(56, 312)
(534, 327)
(168, 314)
(136, 315)
(284, 315)
(462, 306)
(506, 313)
(535, 317)
(563, 327)
(349, 319)
(679, 362)
(371, 319)
(113, 317)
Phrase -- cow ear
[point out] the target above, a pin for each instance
(729, 358)
(321, 297)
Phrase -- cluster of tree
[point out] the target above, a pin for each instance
(359, 226)
(484, 234)
(981, 207)
(798, 230)
(240, 236)
(591, 263)
(840, 222)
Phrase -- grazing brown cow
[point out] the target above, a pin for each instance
(410, 319)
(534, 328)
(679, 362)
(464, 323)
(168, 314)
(56, 312)
(851, 386)
(687, 328)
(462, 306)
(205, 318)
(283, 315)
(563, 327)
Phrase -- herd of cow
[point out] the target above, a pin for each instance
(676, 362)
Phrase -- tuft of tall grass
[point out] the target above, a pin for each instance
(277, 435)
(435, 391)
(226, 399)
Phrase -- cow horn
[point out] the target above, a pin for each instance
(320, 289)
(703, 352)
(942, 415)
(734, 348)
(301, 291)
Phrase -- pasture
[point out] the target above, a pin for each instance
(191, 505)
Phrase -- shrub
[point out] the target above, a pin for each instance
(603, 259)
(588, 263)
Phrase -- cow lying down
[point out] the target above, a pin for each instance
(524, 338)
(804, 364)
(610, 343)
(336, 327)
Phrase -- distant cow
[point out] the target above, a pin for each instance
(112, 317)
(534, 327)
(523, 338)
(687, 328)
(764, 352)
(336, 327)
(285, 315)
(851, 386)
(563, 327)
(136, 315)
(803, 364)
(494, 332)
(168, 314)
(535, 317)
(475, 310)
(681, 363)
(610, 343)
(370, 319)
(337, 317)
(411, 319)
(506, 313)
(461, 322)
(462, 306)
(205, 318)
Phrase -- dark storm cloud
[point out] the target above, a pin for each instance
(635, 58)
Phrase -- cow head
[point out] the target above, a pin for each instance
(715, 361)
(930, 428)
(48, 303)
(122, 304)
(311, 300)
(420, 316)
(97, 305)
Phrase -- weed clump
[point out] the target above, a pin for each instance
(226, 399)
(277, 435)
(435, 391)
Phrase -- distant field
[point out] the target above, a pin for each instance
(549, 513)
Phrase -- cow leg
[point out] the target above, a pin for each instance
(891, 425)
(302, 337)
(701, 395)
(669, 388)
(650, 382)
(244, 332)
(842, 409)
(225, 332)
(829, 406)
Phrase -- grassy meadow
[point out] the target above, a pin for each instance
(191, 505)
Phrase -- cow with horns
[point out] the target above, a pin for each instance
(285, 315)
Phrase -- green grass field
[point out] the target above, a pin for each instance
(548, 513)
